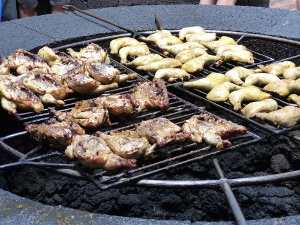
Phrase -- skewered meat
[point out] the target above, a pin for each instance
(145, 59)
(220, 50)
(201, 37)
(151, 95)
(133, 50)
(4, 65)
(294, 98)
(167, 40)
(157, 35)
(267, 105)
(128, 144)
(260, 79)
(250, 93)
(211, 130)
(283, 87)
(199, 63)
(221, 92)
(238, 73)
(242, 56)
(191, 30)
(46, 88)
(172, 74)
(117, 44)
(224, 40)
(93, 152)
(207, 83)
(287, 116)
(186, 55)
(87, 113)
(176, 48)
(23, 61)
(161, 131)
(51, 56)
(162, 64)
(16, 96)
(58, 134)
(83, 84)
(91, 53)
(292, 73)
(122, 105)
(277, 68)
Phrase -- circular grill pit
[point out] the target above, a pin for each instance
(192, 192)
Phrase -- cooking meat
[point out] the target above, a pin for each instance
(260, 79)
(176, 48)
(200, 38)
(133, 50)
(198, 64)
(224, 40)
(94, 152)
(128, 144)
(277, 68)
(283, 87)
(191, 30)
(221, 92)
(294, 98)
(155, 36)
(58, 134)
(172, 74)
(207, 83)
(220, 50)
(161, 131)
(116, 44)
(287, 116)
(91, 53)
(242, 56)
(4, 65)
(292, 73)
(151, 95)
(212, 130)
(186, 55)
(238, 73)
(267, 105)
(145, 59)
(23, 61)
(167, 40)
(161, 64)
(51, 56)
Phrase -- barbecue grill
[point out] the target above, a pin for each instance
(263, 55)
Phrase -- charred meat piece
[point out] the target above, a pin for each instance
(58, 134)
(152, 95)
(4, 65)
(94, 152)
(23, 61)
(128, 144)
(211, 130)
(161, 131)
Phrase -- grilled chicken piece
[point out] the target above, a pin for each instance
(83, 84)
(221, 92)
(250, 93)
(283, 87)
(207, 83)
(128, 144)
(144, 60)
(162, 64)
(58, 134)
(224, 40)
(176, 48)
(190, 30)
(23, 61)
(242, 56)
(292, 73)
(4, 66)
(172, 74)
(186, 55)
(133, 50)
(294, 98)
(220, 50)
(238, 73)
(199, 63)
(200, 38)
(91, 53)
(157, 35)
(16, 96)
(51, 56)
(277, 68)
(121, 105)
(267, 105)
(167, 40)
(260, 79)
(107, 74)
(211, 130)
(161, 131)
(94, 152)
(151, 95)
(46, 88)
(287, 116)
(116, 44)
(87, 113)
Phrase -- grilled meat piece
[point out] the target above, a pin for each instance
(172, 74)
(156, 36)
(292, 73)
(267, 105)
(133, 50)
(189, 54)
(260, 79)
(161, 131)
(52, 56)
(191, 30)
(177, 48)
(242, 56)
(198, 64)
(4, 65)
(144, 60)
(207, 83)
(128, 144)
(200, 38)
(224, 40)
(23, 61)
(238, 73)
(167, 40)
(117, 44)
(283, 87)
(277, 68)
(94, 152)
(58, 134)
(152, 95)
(161, 64)
(221, 92)
(294, 98)
(211, 129)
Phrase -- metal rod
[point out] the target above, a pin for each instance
(158, 22)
